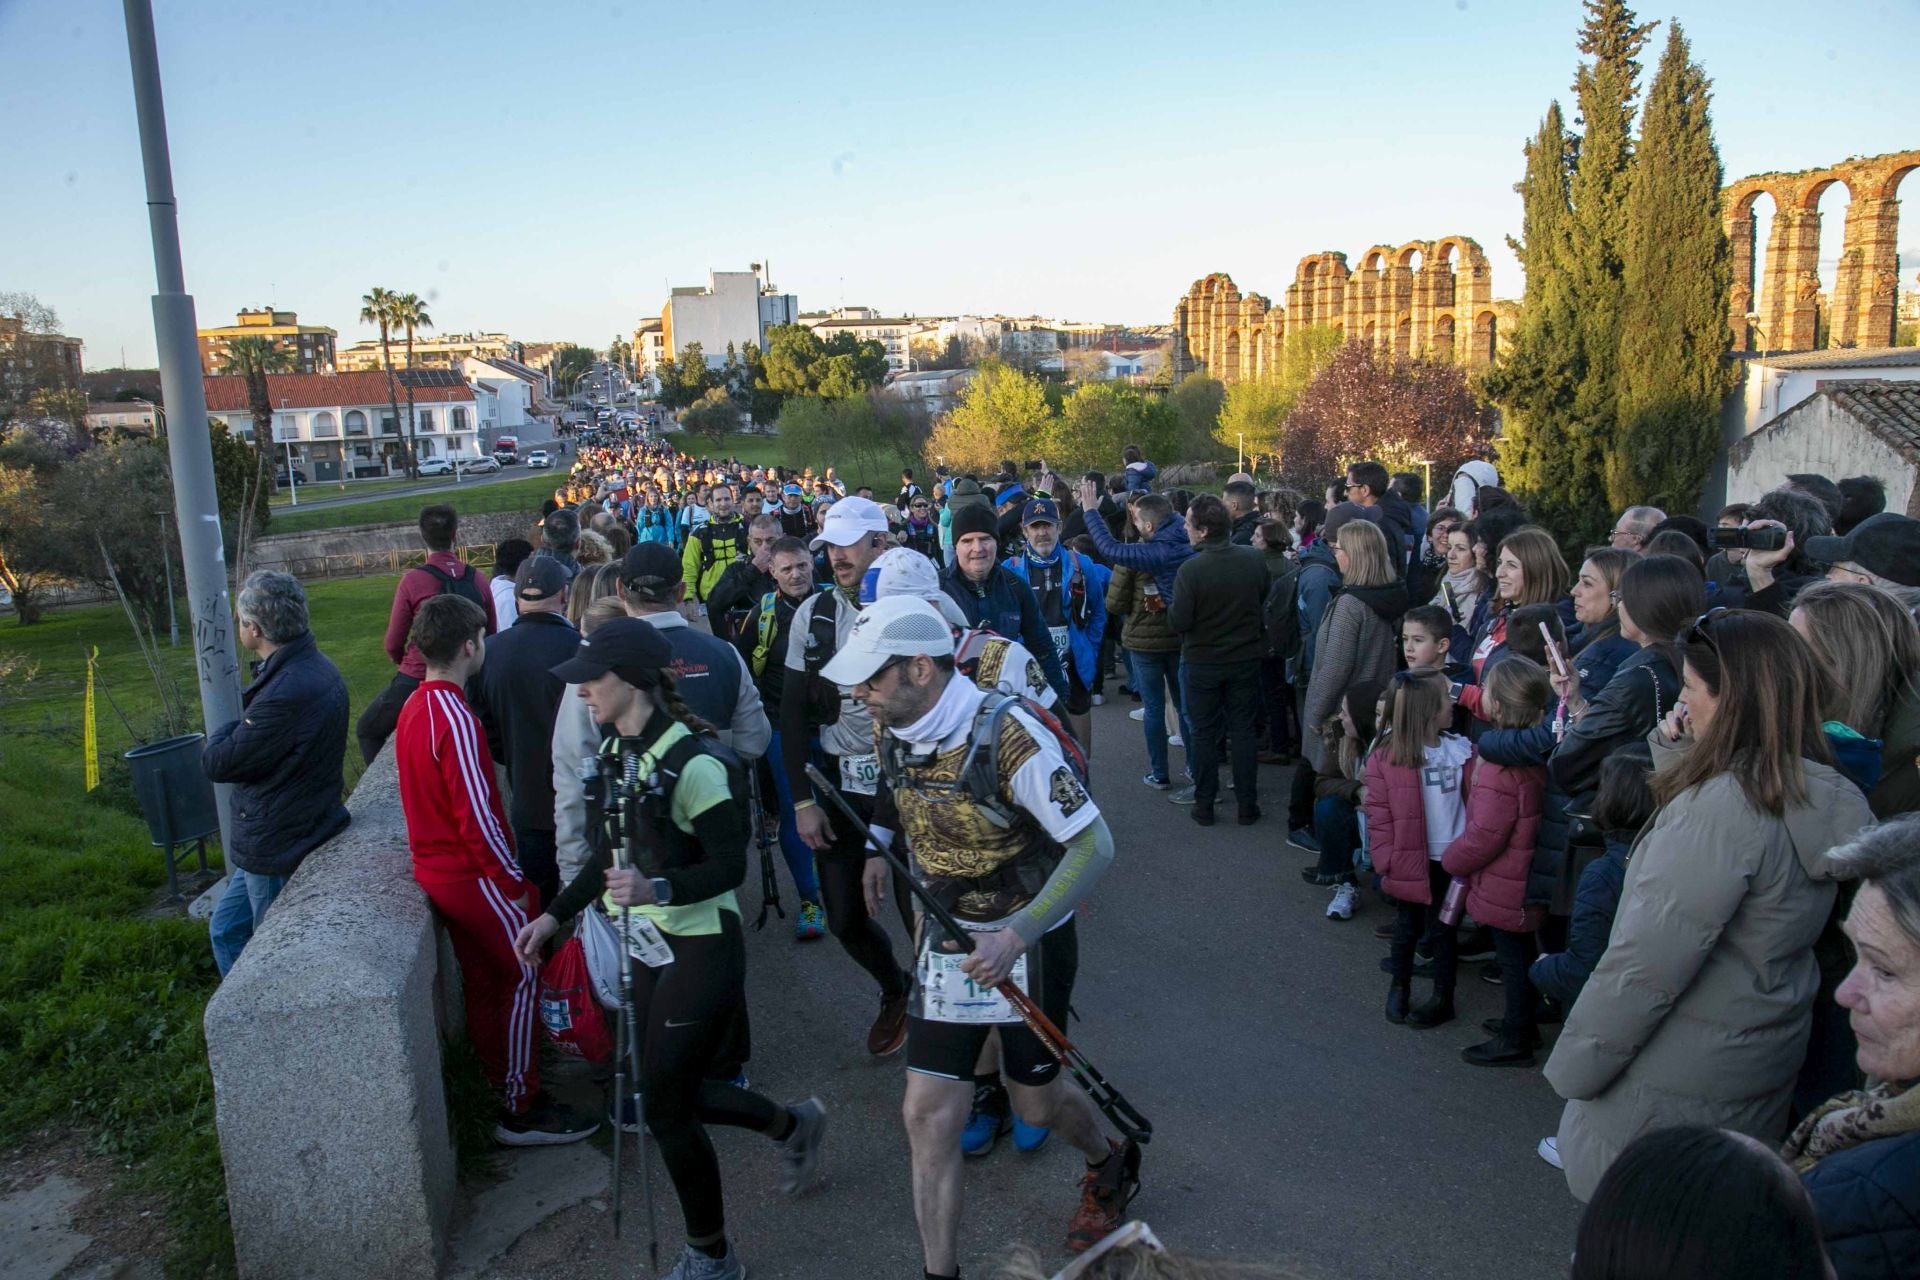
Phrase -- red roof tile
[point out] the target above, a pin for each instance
(324, 390)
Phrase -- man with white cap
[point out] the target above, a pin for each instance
(854, 533)
(989, 659)
(1013, 875)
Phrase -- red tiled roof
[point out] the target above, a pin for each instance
(324, 390)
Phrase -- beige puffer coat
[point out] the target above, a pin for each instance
(1699, 1010)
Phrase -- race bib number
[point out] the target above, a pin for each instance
(860, 774)
(1059, 635)
(947, 994)
(644, 942)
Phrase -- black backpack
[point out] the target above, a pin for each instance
(467, 584)
(1282, 616)
(823, 640)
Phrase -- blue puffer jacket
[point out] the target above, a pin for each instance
(1082, 641)
(1561, 974)
(1868, 1201)
(1597, 660)
(1318, 581)
(1161, 555)
(1005, 605)
(283, 757)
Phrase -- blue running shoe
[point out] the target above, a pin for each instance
(992, 1116)
(1029, 1137)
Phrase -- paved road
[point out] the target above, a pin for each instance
(327, 495)
(1294, 1125)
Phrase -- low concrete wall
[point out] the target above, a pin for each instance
(308, 554)
(325, 1048)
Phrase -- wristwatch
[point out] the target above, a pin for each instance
(662, 891)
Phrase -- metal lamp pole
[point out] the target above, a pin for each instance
(196, 502)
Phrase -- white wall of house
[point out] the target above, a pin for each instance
(1815, 436)
(343, 442)
(1771, 390)
(730, 309)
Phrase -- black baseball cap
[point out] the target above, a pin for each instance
(629, 647)
(651, 565)
(1887, 545)
(539, 578)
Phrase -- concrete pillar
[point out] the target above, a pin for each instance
(1872, 259)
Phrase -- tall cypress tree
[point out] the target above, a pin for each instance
(1535, 383)
(1677, 278)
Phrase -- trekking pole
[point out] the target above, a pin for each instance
(627, 1056)
(769, 885)
(1111, 1102)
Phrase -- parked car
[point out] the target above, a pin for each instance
(480, 466)
(436, 467)
(280, 477)
(538, 460)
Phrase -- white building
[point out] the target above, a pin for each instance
(1774, 384)
(511, 397)
(341, 426)
(121, 415)
(1866, 427)
(935, 390)
(736, 307)
(896, 334)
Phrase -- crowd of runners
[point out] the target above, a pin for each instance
(1662, 786)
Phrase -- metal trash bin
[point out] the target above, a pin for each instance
(175, 798)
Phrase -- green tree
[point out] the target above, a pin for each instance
(1678, 278)
(1252, 412)
(410, 313)
(867, 435)
(714, 415)
(1197, 400)
(379, 307)
(683, 380)
(253, 358)
(1002, 414)
(569, 362)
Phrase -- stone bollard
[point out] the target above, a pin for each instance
(325, 1047)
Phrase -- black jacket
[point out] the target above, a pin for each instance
(516, 695)
(1642, 690)
(1562, 974)
(1868, 1201)
(1241, 535)
(740, 588)
(283, 757)
(1218, 604)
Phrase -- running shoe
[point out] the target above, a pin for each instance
(695, 1265)
(811, 924)
(889, 1030)
(992, 1115)
(1175, 740)
(1303, 839)
(1104, 1195)
(544, 1124)
(1099, 699)
(800, 1150)
(1158, 784)
(1549, 1150)
(1029, 1137)
(1184, 795)
(1137, 714)
(1341, 908)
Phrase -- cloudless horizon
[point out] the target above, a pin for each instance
(552, 173)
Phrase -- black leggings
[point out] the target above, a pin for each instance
(692, 1016)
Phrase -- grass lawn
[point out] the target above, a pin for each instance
(325, 489)
(523, 494)
(763, 450)
(101, 996)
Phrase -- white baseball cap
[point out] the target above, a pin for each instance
(897, 627)
(905, 572)
(849, 521)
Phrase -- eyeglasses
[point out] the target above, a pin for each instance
(1135, 1234)
(1702, 629)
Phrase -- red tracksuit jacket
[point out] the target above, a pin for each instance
(456, 826)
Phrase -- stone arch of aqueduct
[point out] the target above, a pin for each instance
(1434, 298)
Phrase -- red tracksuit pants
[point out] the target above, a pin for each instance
(502, 991)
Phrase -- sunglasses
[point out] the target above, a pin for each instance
(1135, 1234)
(1701, 631)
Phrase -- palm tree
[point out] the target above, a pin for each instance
(253, 359)
(377, 306)
(410, 313)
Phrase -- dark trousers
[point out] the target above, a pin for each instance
(1222, 700)
(1300, 802)
(533, 848)
(376, 723)
(1413, 921)
(1278, 730)
(840, 866)
(1515, 953)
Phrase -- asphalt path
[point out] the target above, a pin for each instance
(1294, 1126)
(427, 485)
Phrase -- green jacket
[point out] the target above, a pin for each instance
(1146, 630)
(1899, 787)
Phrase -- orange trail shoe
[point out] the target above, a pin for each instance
(1105, 1194)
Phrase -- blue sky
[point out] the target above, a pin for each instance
(550, 169)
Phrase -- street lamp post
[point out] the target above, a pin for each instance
(293, 490)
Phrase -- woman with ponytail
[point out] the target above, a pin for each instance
(687, 857)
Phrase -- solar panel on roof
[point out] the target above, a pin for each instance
(430, 378)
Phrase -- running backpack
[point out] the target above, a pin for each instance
(1282, 616)
(467, 584)
(980, 767)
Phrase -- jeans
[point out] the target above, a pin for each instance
(1338, 831)
(1154, 674)
(1514, 951)
(534, 850)
(1222, 700)
(1414, 920)
(239, 912)
(806, 881)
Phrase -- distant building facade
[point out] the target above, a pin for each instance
(1866, 426)
(736, 307)
(311, 345)
(32, 362)
(439, 351)
(341, 426)
(896, 334)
